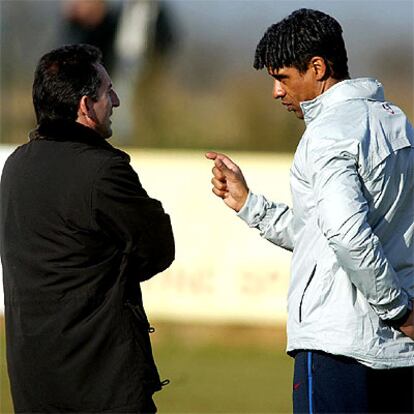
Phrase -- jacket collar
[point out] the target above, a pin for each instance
(72, 131)
(67, 130)
(362, 88)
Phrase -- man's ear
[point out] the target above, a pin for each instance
(86, 113)
(318, 65)
(85, 107)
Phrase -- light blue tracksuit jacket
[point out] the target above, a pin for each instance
(350, 228)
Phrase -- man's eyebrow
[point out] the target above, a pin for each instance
(279, 76)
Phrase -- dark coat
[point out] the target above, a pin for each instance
(78, 234)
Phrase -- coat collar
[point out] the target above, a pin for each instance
(67, 130)
(362, 88)
(70, 131)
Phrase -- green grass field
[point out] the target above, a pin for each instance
(212, 369)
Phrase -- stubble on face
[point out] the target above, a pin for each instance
(293, 87)
(103, 106)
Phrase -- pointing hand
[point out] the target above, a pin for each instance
(228, 181)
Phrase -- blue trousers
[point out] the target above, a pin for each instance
(325, 383)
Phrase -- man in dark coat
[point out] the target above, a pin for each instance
(78, 235)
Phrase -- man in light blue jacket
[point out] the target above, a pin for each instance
(351, 226)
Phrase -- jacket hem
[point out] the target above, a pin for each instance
(364, 359)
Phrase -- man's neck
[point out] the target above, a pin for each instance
(328, 83)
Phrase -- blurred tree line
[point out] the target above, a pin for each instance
(195, 97)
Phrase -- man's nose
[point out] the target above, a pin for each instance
(115, 99)
(278, 91)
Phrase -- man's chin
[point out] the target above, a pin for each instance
(298, 113)
(106, 134)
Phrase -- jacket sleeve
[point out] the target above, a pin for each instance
(273, 220)
(137, 223)
(343, 218)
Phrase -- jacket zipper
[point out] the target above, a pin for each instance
(304, 292)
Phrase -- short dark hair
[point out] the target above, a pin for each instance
(302, 35)
(62, 77)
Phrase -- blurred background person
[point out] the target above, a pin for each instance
(132, 35)
(94, 22)
(145, 35)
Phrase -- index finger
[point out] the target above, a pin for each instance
(211, 155)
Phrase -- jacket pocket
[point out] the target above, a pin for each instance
(304, 292)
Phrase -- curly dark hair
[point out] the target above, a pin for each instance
(62, 77)
(302, 35)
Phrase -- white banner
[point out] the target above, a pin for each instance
(224, 271)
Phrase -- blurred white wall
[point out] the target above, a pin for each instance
(224, 271)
